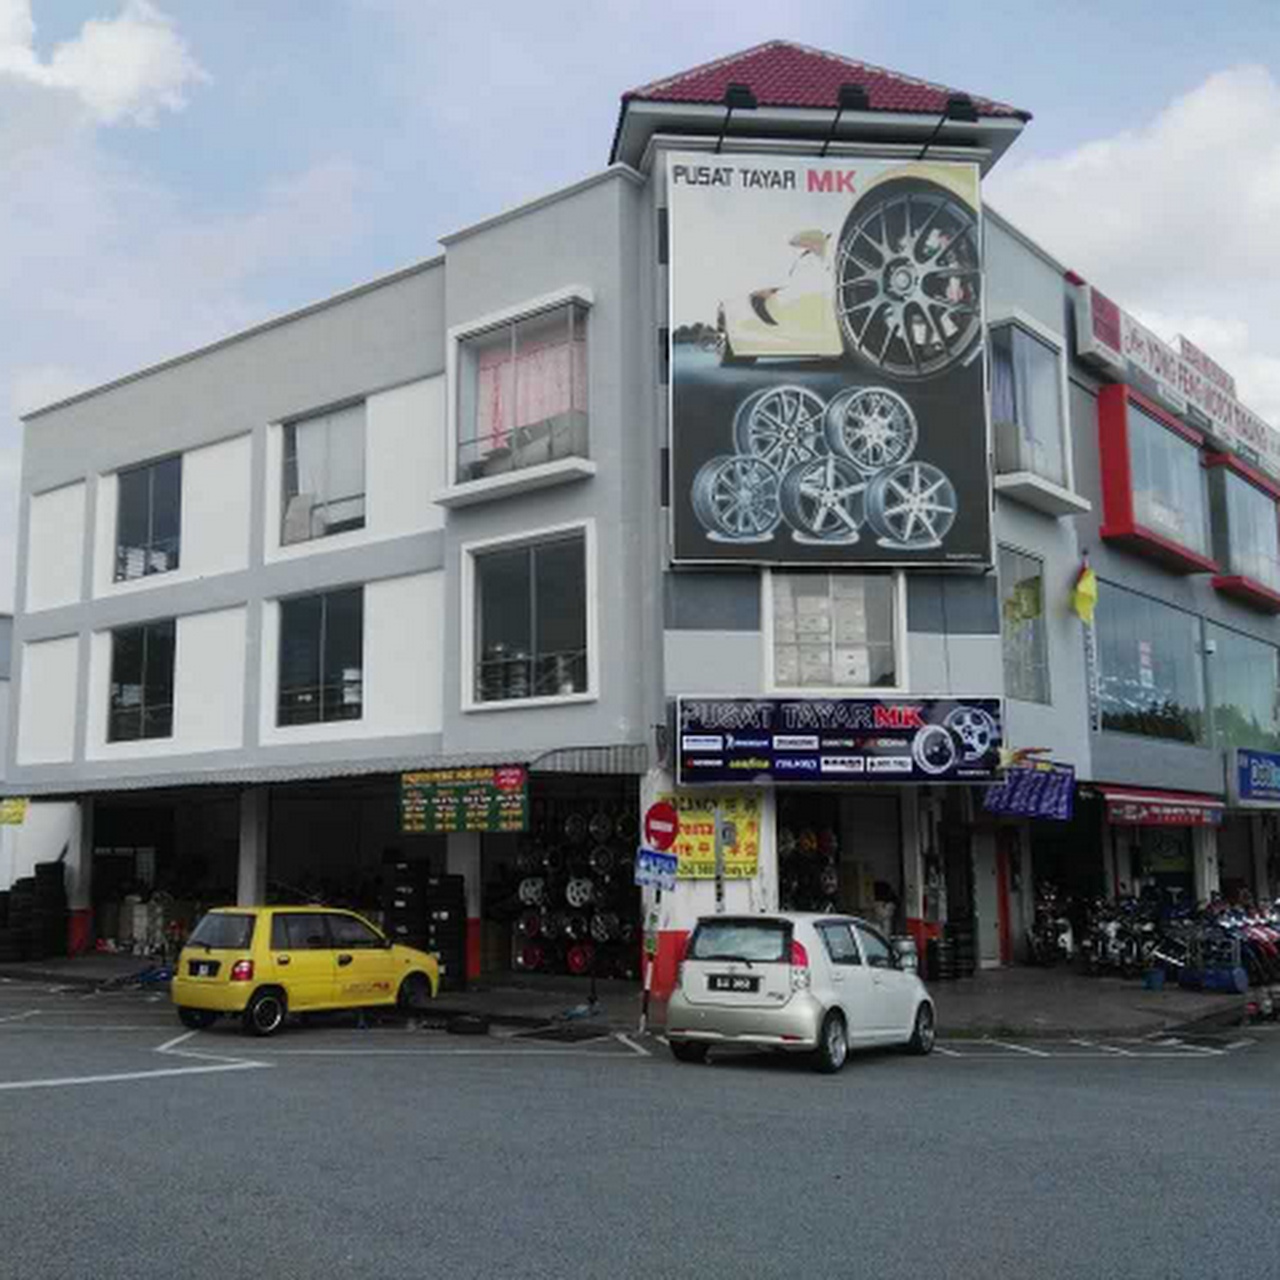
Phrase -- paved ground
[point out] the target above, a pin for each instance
(133, 1148)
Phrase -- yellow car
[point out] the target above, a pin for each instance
(262, 963)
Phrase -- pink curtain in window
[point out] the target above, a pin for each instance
(549, 378)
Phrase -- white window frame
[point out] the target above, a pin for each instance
(1040, 559)
(547, 533)
(900, 646)
(461, 493)
(1060, 500)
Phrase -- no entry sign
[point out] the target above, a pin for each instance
(661, 826)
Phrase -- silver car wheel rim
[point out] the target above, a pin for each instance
(912, 507)
(873, 427)
(736, 499)
(924, 1027)
(975, 728)
(780, 426)
(908, 283)
(837, 1045)
(823, 501)
(267, 1014)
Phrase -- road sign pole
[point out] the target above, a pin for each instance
(719, 846)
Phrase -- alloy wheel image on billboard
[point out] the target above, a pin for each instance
(827, 375)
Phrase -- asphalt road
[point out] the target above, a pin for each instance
(397, 1151)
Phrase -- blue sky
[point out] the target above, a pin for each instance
(178, 169)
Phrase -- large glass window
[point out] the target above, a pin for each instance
(148, 519)
(531, 621)
(321, 658)
(141, 682)
(1026, 403)
(324, 487)
(1252, 530)
(1168, 482)
(834, 630)
(522, 393)
(1151, 672)
(1022, 627)
(1244, 682)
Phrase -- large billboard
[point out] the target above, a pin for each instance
(827, 384)
(838, 740)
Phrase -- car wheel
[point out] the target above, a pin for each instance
(688, 1051)
(822, 500)
(925, 1032)
(872, 427)
(780, 425)
(833, 1045)
(196, 1019)
(909, 279)
(415, 992)
(736, 499)
(265, 1013)
(911, 507)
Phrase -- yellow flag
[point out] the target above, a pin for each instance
(1084, 596)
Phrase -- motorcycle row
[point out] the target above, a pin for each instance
(1218, 946)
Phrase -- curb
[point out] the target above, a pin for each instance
(65, 979)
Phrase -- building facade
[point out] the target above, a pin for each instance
(542, 502)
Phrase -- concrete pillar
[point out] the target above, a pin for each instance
(1204, 855)
(463, 859)
(80, 879)
(1260, 886)
(251, 883)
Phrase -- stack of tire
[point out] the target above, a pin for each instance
(964, 943)
(9, 949)
(430, 912)
(940, 955)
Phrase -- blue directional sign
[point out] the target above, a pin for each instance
(657, 870)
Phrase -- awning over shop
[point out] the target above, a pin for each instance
(1138, 807)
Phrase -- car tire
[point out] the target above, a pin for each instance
(833, 1045)
(688, 1050)
(196, 1019)
(265, 1013)
(414, 993)
(924, 1032)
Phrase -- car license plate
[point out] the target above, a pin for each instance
(203, 968)
(731, 982)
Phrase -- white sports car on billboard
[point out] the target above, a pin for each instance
(897, 286)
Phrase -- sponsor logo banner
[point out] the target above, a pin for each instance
(1257, 779)
(844, 740)
(828, 395)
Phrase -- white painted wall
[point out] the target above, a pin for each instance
(47, 713)
(405, 463)
(50, 827)
(215, 519)
(208, 689)
(55, 547)
(403, 664)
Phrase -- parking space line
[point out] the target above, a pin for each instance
(1018, 1048)
(169, 1044)
(444, 1053)
(1104, 1048)
(949, 1053)
(17, 1017)
(631, 1044)
(123, 1076)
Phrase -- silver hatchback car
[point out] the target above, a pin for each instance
(819, 984)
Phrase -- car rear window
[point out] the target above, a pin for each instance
(223, 931)
(758, 940)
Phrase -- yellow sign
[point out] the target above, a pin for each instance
(695, 846)
(13, 812)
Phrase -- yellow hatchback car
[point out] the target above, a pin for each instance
(262, 963)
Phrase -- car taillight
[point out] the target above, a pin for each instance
(242, 971)
(799, 966)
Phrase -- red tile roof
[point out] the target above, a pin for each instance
(783, 74)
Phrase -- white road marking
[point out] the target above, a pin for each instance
(1018, 1048)
(443, 1053)
(169, 1044)
(950, 1053)
(631, 1044)
(1105, 1048)
(17, 1017)
(66, 1081)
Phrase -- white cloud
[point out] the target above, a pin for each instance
(127, 67)
(1176, 221)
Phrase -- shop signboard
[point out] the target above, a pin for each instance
(828, 399)
(1186, 381)
(1134, 808)
(656, 870)
(1255, 779)
(1042, 789)
(13, 811)
(872, 741)
(695, 845)
(483, 799)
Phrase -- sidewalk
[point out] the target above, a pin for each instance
(1026, 1003)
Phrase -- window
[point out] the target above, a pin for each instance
(299, 931)
(878, 952)
(834, 630)
(347, 931)
(1026, 403)
(323, 475)
(223, 932)
(321, 658)
(1168, 482)
(148, 519)
(758, 941)
(141, 682)
(1244, 680)
(1246, 524)
(1022, 627)
(1150, 673)
(838, 939)
(531, 621)
(522, 393)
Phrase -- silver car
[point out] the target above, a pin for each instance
(812, 983)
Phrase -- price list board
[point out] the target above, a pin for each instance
(439, 801)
